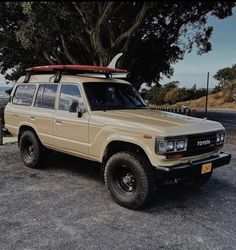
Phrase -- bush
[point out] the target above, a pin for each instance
(174, 95)
(170, 93)
(229, 91)
(217, 89)
(156, 95)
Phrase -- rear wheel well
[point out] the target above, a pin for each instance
(23, 129)
(119, 146)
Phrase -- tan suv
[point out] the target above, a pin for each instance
(106, 120)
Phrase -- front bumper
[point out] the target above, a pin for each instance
(192, 168)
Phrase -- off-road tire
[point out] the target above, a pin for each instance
(30, 140)
(197, 181)
(141, 170)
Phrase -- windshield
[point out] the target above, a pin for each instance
(107, 96)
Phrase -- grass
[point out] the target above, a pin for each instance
(225, 99)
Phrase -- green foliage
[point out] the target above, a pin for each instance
(156, 95)
(226, 74)
(152, 35)
(171, 94)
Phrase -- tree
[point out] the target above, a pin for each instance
(152, 35)
(225, 74)
(156, 95)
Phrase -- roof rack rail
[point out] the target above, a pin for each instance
(85, 70)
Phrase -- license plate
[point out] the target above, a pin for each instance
(206, 168)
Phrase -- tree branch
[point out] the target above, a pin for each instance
(133, 28)
(66, 51)
(81, 14)
(46, 55)
(57, 57)
(105, 15)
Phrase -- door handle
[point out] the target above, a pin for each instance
(32, 117)
(58, 122)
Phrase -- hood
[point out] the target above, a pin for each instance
(158, 122)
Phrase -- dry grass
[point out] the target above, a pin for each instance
(225, 99)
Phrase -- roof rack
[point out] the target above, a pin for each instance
(85, 70)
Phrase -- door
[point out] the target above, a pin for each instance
(17, 111)
(70, 131)
(41, 115)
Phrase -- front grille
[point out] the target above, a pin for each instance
(195, 149)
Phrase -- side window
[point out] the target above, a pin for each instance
(24, 95)
(46, 96)
(68, 94)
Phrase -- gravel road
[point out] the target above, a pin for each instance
(66, 206)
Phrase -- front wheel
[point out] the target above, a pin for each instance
(130, 179)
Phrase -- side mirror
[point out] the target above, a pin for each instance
(74, 106)
(81, 111)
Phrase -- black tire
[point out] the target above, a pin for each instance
(197, 181)
(130, 179)
(31, 150)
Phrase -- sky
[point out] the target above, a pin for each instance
(193, 68)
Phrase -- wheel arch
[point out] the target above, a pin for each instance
(24, 128)
(116, 146)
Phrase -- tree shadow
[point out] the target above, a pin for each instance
(168, 198)
(77, 166)
(177, 197)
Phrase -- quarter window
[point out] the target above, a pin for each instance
(46, 96)
(24, 95)
(68, 94)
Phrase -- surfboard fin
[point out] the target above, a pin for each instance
(113, 62)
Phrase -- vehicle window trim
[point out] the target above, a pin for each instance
(27, 105)
(66, 84)
(83, 83)
(44, 84)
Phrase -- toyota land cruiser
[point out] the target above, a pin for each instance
(72, 110)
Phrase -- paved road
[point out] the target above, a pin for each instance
(66, 206)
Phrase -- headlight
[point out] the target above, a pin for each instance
(180, 144)
(164, 146)
(220, 137)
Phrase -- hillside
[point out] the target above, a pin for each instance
(225, 99)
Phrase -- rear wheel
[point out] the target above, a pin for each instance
(130, 179)
(31, 149)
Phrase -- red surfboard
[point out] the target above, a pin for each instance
(75, 67)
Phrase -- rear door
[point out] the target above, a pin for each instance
(70, 131)
(41, 115)
(18, 109)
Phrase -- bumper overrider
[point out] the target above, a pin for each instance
(192, 168)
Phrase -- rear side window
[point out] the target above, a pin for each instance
(68, 94)
(46, 96)
(24, 95)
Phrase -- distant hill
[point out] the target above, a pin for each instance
(225, 99)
